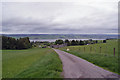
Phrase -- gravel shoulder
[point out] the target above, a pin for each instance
(75, 67)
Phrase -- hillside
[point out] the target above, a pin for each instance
(63, 36)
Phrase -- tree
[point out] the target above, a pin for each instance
(67, 42)
(81, 42)
(12, 43)
(20, 44)
(73, 42)
(0, 42)
(4, 42)
(77, 42)
(91, 41)
(86, 42)
(96, 41)
(104, 41)
(8, 43)
(59, 41)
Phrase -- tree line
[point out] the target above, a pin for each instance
(12, 43)
(77, 42)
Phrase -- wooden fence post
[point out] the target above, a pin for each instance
(90, 49)
(114, 51)
(100, 49)
(84, 49)
(106, 50)
(95, 49)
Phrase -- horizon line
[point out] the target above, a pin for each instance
(64, 33)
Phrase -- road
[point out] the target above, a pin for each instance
(75, 67)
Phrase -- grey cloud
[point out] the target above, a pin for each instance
(59, 18)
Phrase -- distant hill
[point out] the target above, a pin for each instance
(63, 36)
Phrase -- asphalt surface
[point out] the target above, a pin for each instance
(75, 67)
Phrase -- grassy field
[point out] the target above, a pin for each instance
(31, 63)
(103, 57)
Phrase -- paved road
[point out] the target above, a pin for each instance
(75, 67)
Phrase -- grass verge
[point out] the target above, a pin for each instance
(31, 63)
(104, 58)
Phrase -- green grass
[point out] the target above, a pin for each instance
(31, 63)
(104, 58)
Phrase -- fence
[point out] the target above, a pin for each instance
(101, 50)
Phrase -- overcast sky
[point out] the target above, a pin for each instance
(60, 17)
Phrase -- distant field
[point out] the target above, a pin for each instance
(103, 57)
(31, 63)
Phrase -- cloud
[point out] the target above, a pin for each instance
(59, 17)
